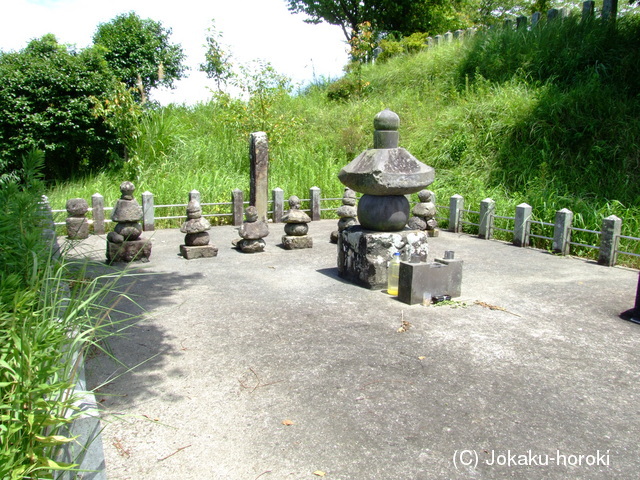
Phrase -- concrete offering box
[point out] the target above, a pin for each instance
(442, 277)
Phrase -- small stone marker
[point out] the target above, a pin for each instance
(77, 224)
(124, 244)
(196, 240)
(252, 231)
(424, 213)
(296, 227)
(347, 212)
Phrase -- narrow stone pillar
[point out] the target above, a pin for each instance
(194, 196)
(448, 37)
(437, 40)
(148, 210)
(237, 201)
(458, 34)
(277, 195)
(552, 14)
(77, 224)
(609, 239)
(259, 187)
(456, 204)
(535, 19)
(97, 212)
(587, 9)
(562, 231)
(522, 227)
(521, 22)
(609, 9)
(314, 195)
(487, 211)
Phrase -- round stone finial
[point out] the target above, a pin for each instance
(127, 188)
(294, 202)
(386, 120)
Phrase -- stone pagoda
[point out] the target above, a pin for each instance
(384, 175)
(125, 244)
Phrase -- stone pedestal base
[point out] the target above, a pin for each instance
(129, 251)
(363, 254)
(289, 242)
(442, 277)
(200, 251)
(249, 246)
(77, 228)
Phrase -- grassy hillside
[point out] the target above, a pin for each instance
(550, 117)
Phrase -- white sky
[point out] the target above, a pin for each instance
(252, 29)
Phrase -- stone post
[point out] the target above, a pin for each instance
(456, 204)
(508, 24)
(521, 22)
(609, 239)
(487, 211)
(587, 9)
(277, 194)
(314, 195)
(562, 231)
(522, 227)
(437, 40)
(148, 210)
(97, 212)
(237, 201)
(448, 37)
(535, 19)
(458, 34)
(259, 187)
(552, 14)
(609, 9)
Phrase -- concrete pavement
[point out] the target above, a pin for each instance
(270, 366)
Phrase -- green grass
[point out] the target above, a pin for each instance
(550, 117)
(51, 311)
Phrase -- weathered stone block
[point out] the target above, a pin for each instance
(77, 228)
(293, 243)
(363, 254)
(129, 251)
(193, 252)
(442, 277)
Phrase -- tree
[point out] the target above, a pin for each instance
(46, 103)
(386, 16)
(217, 64)
(140, 54)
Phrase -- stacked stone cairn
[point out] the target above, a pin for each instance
(77, 224)
(296, 227)
(196, 239)
(424, 214)
(347, 212)
(252, 231)
(125, 244)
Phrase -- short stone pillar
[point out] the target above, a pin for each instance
(424, 214)
(252, 232)
(296, 227)
(196, 239)
(77, 224)
(259, 173)
(124, 244)
(347, 213)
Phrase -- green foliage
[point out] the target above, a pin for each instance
(45, 103)
(407, 45)
(508, 128)
(217, 64)
(140, 53)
